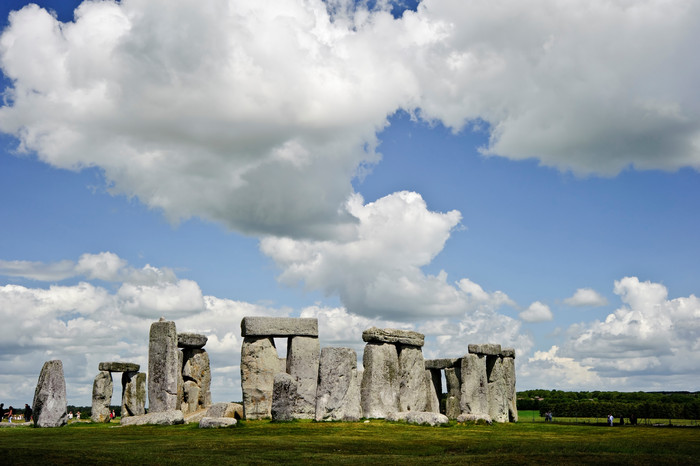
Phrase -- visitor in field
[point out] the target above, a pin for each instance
(611, 419)
(27, 413)
(10, 412)
(2, 411)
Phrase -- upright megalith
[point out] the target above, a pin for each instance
(196, 372)
(413, 381)
(284, 397)
(303, 355)
(474, 386)
(509, 375)
(259, 364)
(133, 394)
(380, 380)
(338, 393)
(102, 388)
(163, 367)
(498, 392)
(49, 403)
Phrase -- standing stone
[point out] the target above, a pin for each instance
(284, 397)
(413, 387)
(380, 381)
(164, 370)
(452, 401)
(133, 394)
(434, 389)
(49, 403)
(509, 372)
(474, 387)
(259, 363)
(498, 392)
(338, 393)
(102, 389)
(303, 355)
(197, 369)
(180, 382)
(190, 397)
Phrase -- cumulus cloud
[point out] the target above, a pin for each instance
(537, 312)
(586, 297)
(549, 369)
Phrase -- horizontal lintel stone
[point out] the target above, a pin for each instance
(119, 367)
(390, 335)
(508, 352)
(279, 327)
(489, 349)
(441, 363)
(191, 340)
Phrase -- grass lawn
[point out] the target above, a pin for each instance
(344, 443)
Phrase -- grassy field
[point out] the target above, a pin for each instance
(261, 442)
(534, 416)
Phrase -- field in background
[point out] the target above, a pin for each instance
(350, 443)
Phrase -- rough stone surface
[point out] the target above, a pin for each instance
(195, 417)
(216, 422)
(452, 379)
(509, 373)
(119, 367)
(452, 406)
(191, 340)
(161, 418)
(441, 363)
(498, 393)
(433, 387)
(279, 327)
(380, 381)
(284, 397)
(196, 368)
(396, 416)
(49, 403)
(490, 349)
(303, 355)
(102, 388)
(508, 352)
(338, 392)
(234, 410)
(474, 418)
(413, 384)
(133, 394)
(163, 368)
(390, 335)
(259, 363)
(423, 418)
(474, 387)
(191, 397)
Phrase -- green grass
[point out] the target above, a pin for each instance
(534, 416)
(262, 442)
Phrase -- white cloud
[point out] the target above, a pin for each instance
(537, 312)
(38, 270)
(549, 369)
(103, 266)
(586, 297)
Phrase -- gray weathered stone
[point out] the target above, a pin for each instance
(259, 363)
(284, 397)
(160, 418)
(49, 403)
(433, 388)
(119, 367)
(390, 335)
(490, 349)
(338, 392)
(425, 418)
(102, 388)
(454, 392)
(380, 381)
(191, 340)
(452, 406)
(498, 392)
(163, 367)
(474, 386)
(303, 355)
(216, 422)
(133, 394)
(509, 373)
(191, 397)
(234, 410)
(279, 327)
(464, 417)
(180, 383)
(508, 352)
(441, 363)
(413, 386)
(196, 368)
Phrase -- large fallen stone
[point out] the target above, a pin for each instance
(489, 349)
(278, 327)
(284, 397)
(195, 417)
(163, 368)
(49, 403)
(424, 418)
(380, 381)
(474, 385)
(216, 422)
(390, 335)
(102, 388)
(259, 364)
(509, 373)
(413, 385)
(161, 418)
(133, 394)
(196, 368)
(191, 340)
(338, 393)
(441, 363)
(464, 417)
(119, 367)
(234, 410)
(303, 355)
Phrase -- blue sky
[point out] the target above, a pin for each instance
(481, 172)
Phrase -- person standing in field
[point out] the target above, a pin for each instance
(27, 413)
(9, 414)
(2, 411)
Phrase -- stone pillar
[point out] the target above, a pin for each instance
(338, 393)
(454, 389)
(380, 381)
(195, 369)
(163, 367)
(498, 393)
(49, 403)
(284, 397)
(259, 363)
(133, 394)
(434, 378)
(474, 387)
(102, 389)
(509, 373)
(413, 382)
(303, 355)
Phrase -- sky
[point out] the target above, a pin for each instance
(522, 173)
